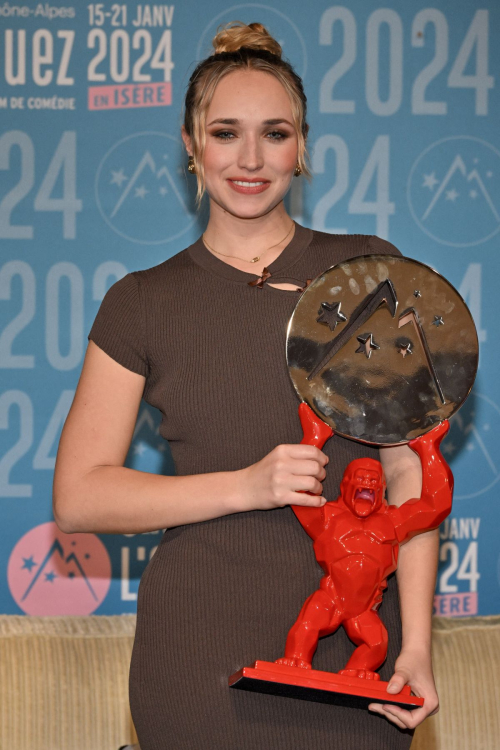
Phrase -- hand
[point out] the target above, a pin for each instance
(284, 477)
(412, 668)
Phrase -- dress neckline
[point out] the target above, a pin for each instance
(288, 256)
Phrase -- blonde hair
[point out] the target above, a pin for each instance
(238, 46)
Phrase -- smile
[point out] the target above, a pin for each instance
(249, 187)
(247, 184)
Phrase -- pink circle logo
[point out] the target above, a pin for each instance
(53, 573)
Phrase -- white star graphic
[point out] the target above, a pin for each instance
(430, 181)
(486, 427)
(139, 448)
(452, 195)
(118, 178)
(473, 193)
(448, 448)
(141, 192)
(489, 174)
(470, 446)
(476, 161)
(163, 190)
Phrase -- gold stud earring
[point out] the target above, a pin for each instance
(191, 165)
(297, 170)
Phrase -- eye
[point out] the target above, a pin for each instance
(224, 135)
(277, 135)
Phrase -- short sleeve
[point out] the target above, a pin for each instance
(382, 247)
(118, 328)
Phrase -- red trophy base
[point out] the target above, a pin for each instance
(321, 687)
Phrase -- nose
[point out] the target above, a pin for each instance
(250, 156)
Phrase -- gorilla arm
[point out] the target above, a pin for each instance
(416, 576)
(434, 504)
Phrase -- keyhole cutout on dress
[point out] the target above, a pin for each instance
(285, 287)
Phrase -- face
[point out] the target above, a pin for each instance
(363, 487)
(251, 144)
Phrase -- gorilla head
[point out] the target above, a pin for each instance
(363, 486)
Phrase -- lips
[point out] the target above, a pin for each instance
(248, 186)
(363, 493)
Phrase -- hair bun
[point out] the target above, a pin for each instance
(232, 36)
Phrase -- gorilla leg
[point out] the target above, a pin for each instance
(369, 634)
(318, 617)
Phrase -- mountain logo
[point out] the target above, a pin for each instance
(454, 191)
(472, 447)
(141, 189)
(53, 573)
(278, 24)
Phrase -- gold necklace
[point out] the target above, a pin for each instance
(254, 260)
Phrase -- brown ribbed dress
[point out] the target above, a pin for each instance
(219, 594)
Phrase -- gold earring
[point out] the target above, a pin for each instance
(297, 170)
(191, 165)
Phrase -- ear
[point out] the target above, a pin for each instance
(187, 141)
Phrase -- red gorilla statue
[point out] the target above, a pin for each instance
(356, 542)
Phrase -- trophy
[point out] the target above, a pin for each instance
(383, 350)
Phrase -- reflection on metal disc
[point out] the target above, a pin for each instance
(382, 348)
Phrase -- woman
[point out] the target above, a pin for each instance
(201, 337)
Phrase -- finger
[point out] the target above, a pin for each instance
(377, 708)
(306, 484)
(409, 719)
(306, 499)
(304, 451)
(396, 683)
(308, 468)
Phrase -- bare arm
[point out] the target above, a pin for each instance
(416, 576)
(94, 492)
(418, 558)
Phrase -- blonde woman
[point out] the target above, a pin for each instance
(201, 337)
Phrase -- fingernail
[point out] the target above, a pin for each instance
(392, 687)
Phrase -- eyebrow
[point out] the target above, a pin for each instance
(235, 121)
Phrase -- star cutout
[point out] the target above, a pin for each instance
(448, 448)
(118, 178)
(489, 174)
(330, 315)
(50, 576)
(452, 195)
(366, 344)
(417, 293)
(87, 556)
(71, 574)
(470, 446)
(141, 192)
(28, 563)
(438, 321)
(430, 181)
(139, 448)
(163, 190)
(473, 193)
(404, 348)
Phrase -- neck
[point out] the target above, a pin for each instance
(240, 238)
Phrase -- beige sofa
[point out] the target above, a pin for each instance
(63, 684)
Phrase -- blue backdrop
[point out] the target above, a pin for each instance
(404, 142)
